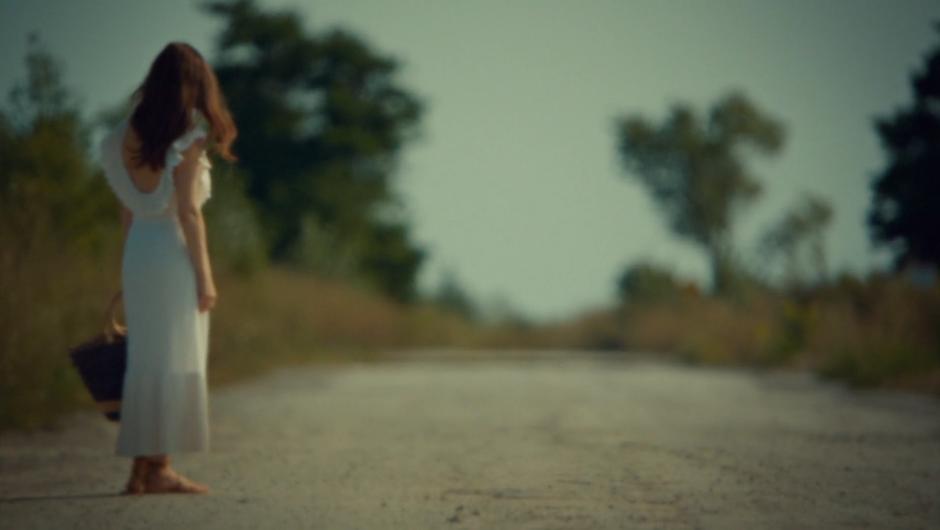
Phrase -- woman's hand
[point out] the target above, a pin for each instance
(207, 295)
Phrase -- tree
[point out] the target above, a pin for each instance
(694, 169)
(322, 121)
(58, 230)
(798, 237)
(452, 296)
(646, 283)
(50, 189)
(904, 214)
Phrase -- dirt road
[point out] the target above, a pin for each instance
(573, 442)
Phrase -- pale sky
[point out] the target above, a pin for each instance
(516, 186)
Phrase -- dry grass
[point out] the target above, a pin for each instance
(53, 298)
(883, 331)
(878, 332)
(282, 316)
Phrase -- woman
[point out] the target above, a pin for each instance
(155, 161)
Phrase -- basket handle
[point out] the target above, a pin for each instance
(111, 327)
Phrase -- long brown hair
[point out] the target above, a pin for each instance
(178, 82)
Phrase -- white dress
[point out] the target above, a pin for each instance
(164, 408)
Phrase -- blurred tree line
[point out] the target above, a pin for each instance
(878, 329)
(49, 186)
(695, 169)
(322, 123)
(904, 215)
(59, 231)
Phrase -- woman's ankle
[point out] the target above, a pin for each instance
(157, 464)
(140, 467)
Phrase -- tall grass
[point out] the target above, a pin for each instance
(55, 297)
(879, 331)
(52, 298)
(886, 331)
(282, 315)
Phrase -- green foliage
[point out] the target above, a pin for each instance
(58, 226)
(453, 297)
(646, 283)
(798, 237)
(322, 121)
(904, 214)
(318, 249)
(48, 185)
(871, 365)
(391, 261)
(694, 169)
(236, 241)
(792, 325)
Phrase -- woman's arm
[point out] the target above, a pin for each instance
(127, 217)
(185, 177)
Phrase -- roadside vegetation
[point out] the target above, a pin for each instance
(328, 274)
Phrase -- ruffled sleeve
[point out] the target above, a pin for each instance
(174, 156)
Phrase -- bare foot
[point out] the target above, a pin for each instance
(168, 481)
(135, 484)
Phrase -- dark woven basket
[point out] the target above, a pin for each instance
(101, 362)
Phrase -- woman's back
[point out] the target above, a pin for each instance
(144, 191)
(144, 178)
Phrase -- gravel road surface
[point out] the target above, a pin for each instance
(502, 441)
